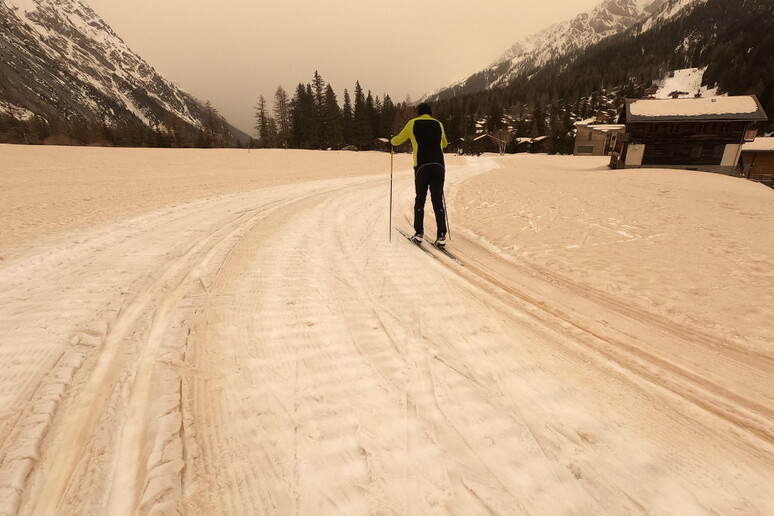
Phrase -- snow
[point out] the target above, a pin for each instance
(587, 28)
(669, 10)
(605, 128)
(24, 6)
(73, 32)
(17, 112)
(694, 107)
(233, 332)
(688, 81)
(760, 144)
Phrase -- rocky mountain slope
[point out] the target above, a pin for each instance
(60, 61)
(609, 18)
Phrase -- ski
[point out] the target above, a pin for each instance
(418, 244)
(446, 252)
(428, 251)
(408, 237)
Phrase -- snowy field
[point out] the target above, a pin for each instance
(224, 332)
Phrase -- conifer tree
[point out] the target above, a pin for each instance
(333, 136)
(312, 114)
(369, 121)
(262, 122)
(282, 116)
(301, 115)
(320, 130)
(347, 119)
(360, 122)
(387, 117)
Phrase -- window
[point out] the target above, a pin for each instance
(585, 149)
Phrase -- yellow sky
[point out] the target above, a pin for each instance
(231, 51)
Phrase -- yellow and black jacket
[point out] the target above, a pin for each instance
(427, 138)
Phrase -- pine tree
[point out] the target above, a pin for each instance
(302, 117)
(282, 117)
(538, 127)
(347, 119)
(262, 123)
(369, 121)
(319, 132)
(333, 121)
(387, 118)
(360, 122)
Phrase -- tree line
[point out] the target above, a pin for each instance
(313, 118)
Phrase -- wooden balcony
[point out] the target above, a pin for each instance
(645, 138)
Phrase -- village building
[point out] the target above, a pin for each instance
(694, 133)
(522, 144)
(593, 139)
(757, 161)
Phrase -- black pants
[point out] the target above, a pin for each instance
(430, 175)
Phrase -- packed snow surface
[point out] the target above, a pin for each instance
(234, 332)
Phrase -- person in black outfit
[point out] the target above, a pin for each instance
(428, 140)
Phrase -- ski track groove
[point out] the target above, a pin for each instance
(717, 400)
(249, 372)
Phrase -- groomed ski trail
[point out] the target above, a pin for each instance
(273, 353)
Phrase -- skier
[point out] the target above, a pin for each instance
(428, 140)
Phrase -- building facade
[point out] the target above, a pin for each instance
(698, 133)
(757, 161)
(596, 139)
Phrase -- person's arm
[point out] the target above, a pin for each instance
(404, 135)
(444, 142)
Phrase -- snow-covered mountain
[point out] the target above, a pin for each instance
(608, 18)
(60, 60)
(669, 10)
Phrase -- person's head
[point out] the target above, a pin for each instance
(424, 109)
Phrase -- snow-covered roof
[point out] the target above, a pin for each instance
(745, 107)
(760, 144)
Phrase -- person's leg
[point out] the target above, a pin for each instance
(421, 183)
(436, 196)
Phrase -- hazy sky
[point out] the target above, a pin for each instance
(232, 51)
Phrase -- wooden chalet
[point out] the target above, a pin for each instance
(592, 139)
(696, 134)
(757, 161)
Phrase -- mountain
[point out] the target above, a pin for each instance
(607, 19)
(684, 47)
(63, 66)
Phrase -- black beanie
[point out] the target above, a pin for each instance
(424, 109)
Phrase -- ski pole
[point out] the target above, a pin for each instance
(391, 165)
(389, 142)
(446, 214)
